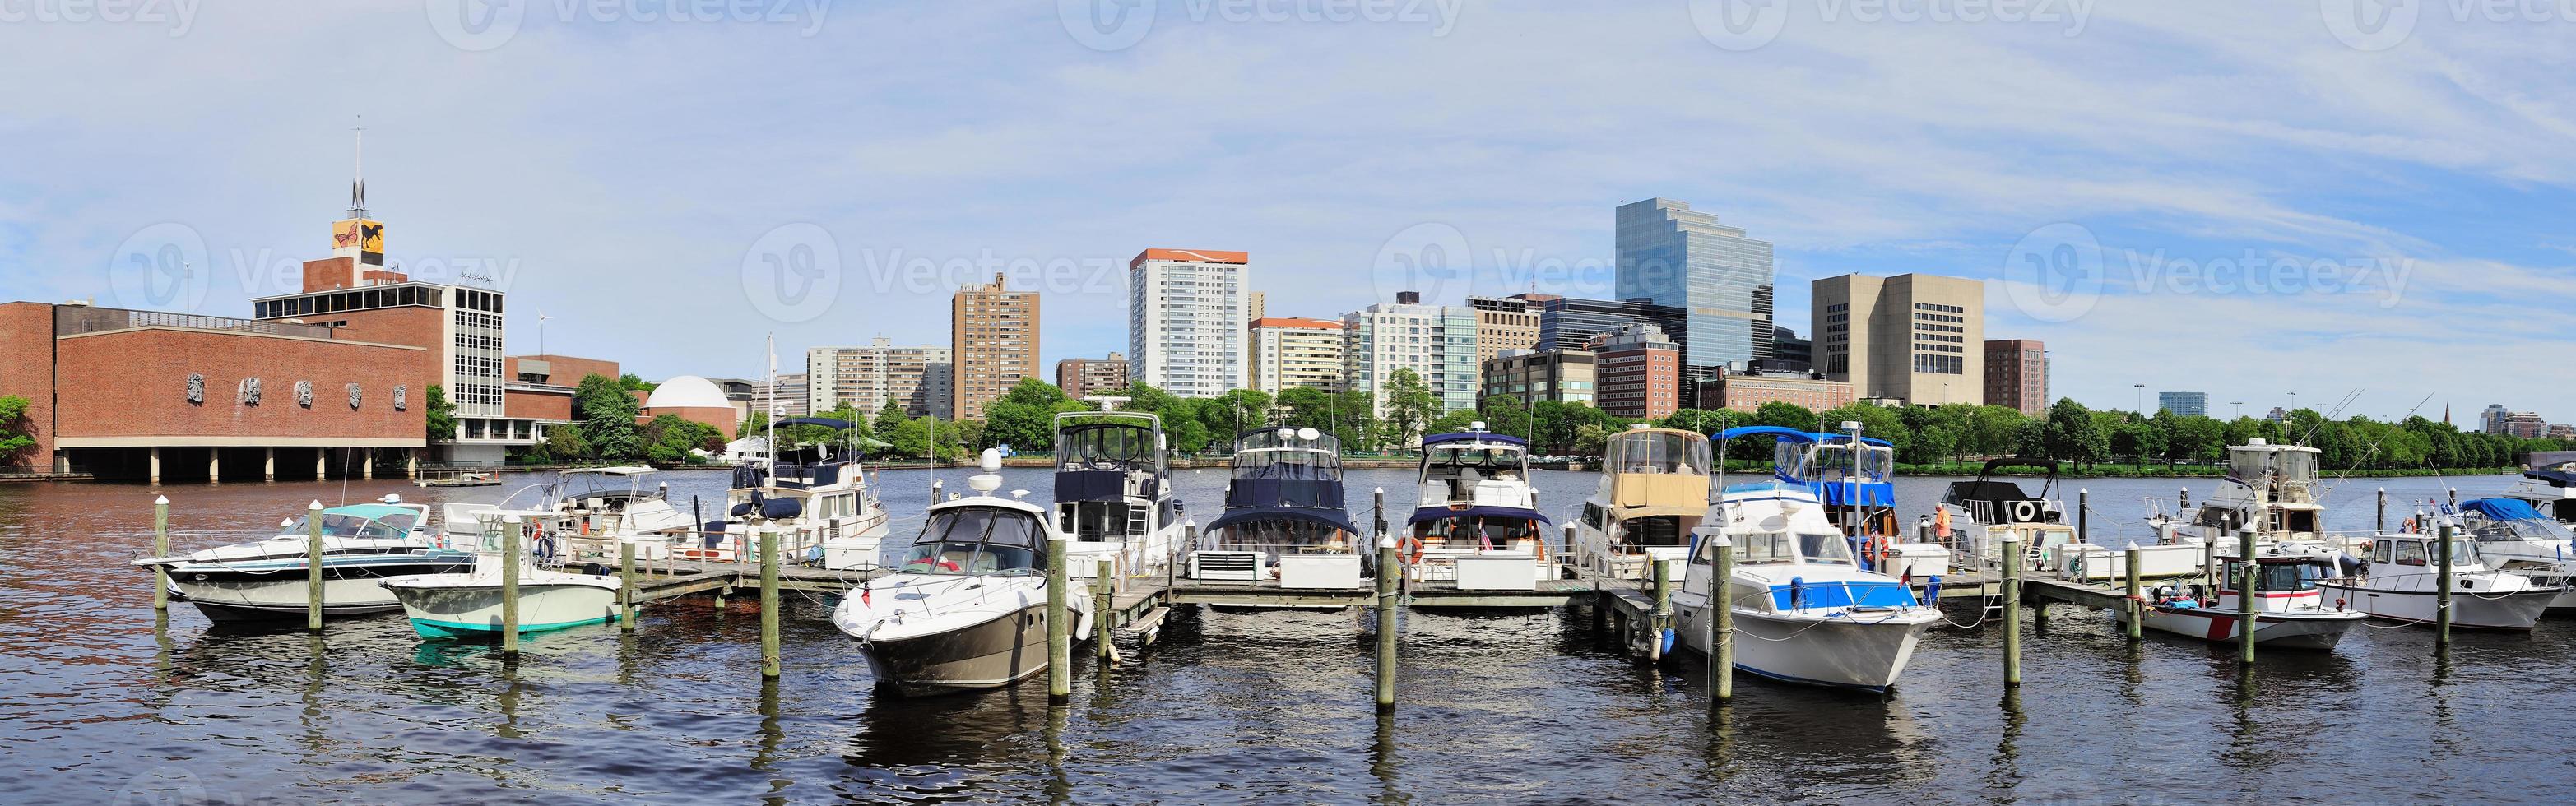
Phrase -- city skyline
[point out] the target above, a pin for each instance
(2430, 213)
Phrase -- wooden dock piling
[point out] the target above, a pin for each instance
(2137, 598)
(626, 585)
(2246, 595)
(769, 602)
(1721, 619)
(509, 586)
(2383, 512)
(1059, 626)
(313, 568)
(1104, 590)
(161, 548)
(2442, 590)
(1389, 567)
(2084, 515)
(1663, 618)
(2012, 610)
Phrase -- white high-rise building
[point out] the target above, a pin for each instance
(1187, 312)
(864, 377)
(1437, 342)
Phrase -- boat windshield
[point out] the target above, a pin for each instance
(2520, 530)
(2281, 577)
(342, 524)
(1479, 531)
(1106, 446)
(1782, 548)
(1835, 461)
(1657, 452)
(975, 541)
(2255, 462)
(1488, 457)
(1291, 458)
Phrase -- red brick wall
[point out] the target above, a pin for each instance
(540, 405)
(417, 327)
(27, 370)
(564, 370)
(328, 273)
(134, 383)
(722, 419)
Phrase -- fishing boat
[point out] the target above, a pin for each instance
(1975, 518)
(2271, 490)
(596, 508)
(267, 579)
(1284, 519)
(1653, 491)
(2290, 611)
(1478, 523)
(2516, 537)
(470, 604)
(2403, 580)
(2550, 489)
(815, 496)
(967, 606)
(1113, 492)
(1812, 613)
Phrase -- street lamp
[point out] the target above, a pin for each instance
(2141, 409)
(2240, 408)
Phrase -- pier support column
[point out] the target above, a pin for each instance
(2442, 587)
(625, 585)
(2011, 545)
(2248, 591)
(1662, 621)
(1104, 595)
(268, 465)
(2084, 516)
(214, 465)
(1388, 566)
(2137, 602)
(2383, 512)
(1059, 623)
(161, 548)
(154, 471)
(769, 601)
(1721, 619)
(313, 568)
(510, 586)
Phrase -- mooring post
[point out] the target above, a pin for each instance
(2442, 586)
(2084, 515)
(2137, 598)
(1059, 624)
(510, 586)
(1387, 568)
(1721, 619)
(313, 567)
(2012, 610)
(1102, 593)
(2182, 502)
(161, 548)
(1663, 618)
(2383, 512)
(769, 601)
(2246, 594)
(626, 585)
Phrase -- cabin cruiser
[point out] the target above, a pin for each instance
(2550, 489)
(816, 496)
(2271, 489)
(595, 508)
(1284, 518)
(1851, 475)
(267, 579)
(2402, 584)
(1113, 492)
(967, 606)
(1974, 518)
(470, 604)
(2290, 610)
(2516, 537)
(1654, 489)
(1478, 523)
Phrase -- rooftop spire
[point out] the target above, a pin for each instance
(358, 174)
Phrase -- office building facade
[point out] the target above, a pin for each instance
(1919, 338)
(1293, 352)
(1639, 372)
(1789, 354)
(915, 376)
(2184, 404)
(1083, 378)
(1570, 323)
(1437, 342)
(1721, 280)
(2017, 375)
(993, 338)
(1188, 320)
(1506, 323)
(1564, 376)
(1746, 392)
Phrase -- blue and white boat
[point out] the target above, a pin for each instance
(1284, 519)
(2515, 536)
(1804, 611)
(362, 544)
(469, 604)
(1478, 523)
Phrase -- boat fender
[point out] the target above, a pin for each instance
(1669, 638)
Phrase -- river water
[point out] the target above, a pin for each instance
(99, 702)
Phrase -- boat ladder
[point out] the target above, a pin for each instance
(1137, 520)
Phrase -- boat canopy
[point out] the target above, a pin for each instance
(1333, 518)
(1278, 468)
(2558, 476)
(1839, 472)
(1657, 450)
(621, 470)
(1438, 513)
(2503, 509)
(978, 540)
(1473, 436)
(826, 422)
(1794, 435)
(361, 520)
(1111, 445)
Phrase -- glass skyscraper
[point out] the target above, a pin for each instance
(1721, 280)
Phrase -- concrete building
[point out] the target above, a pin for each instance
(2525, 425)
(1291, 352)
(1437, 342)
(149, 396)
(1640, 372)
(1506, 323)
(1085, 378)
(1188, 318)
(1719, 279)
(537, 397)
(2017, 375)
(1789, 354)
(2184, 404)
(994, 336)
(1913, 337)
(2560, 431)
(1564, 376)
(1746, 392)
(1569, 323)
(2492, 419)
(915, 376)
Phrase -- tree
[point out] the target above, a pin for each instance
(669, 439)
(2070, 434)
(439, 412)
(14, 436)
(630, 382)
(1993, 431)
(564, 444)
(1591, 439)
(1409, 405)
(607, 413)
(2137, 440)
(754, 425)
(1504, 414)
(1453, 422)
(1878, 422)
(890, 419)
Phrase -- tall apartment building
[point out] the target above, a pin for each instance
(1919, 338)
(994, 336)
(2184, 404)
(1291, 352)
(1640, 372)
(1569, 323)
(915, 376)
(2492, 419)
(1506, 323)
(1082, 378)
(2017, 375)
(1721, 280)
(1564, 376)
(1188, 318)
(1437, 342)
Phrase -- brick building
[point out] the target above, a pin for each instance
(1639, 372)
(1746, 392)
(1086, 377)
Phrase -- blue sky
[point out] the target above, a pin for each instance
(2398, 188)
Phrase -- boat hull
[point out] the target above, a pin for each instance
(2320, 631)
(348, 589)
(1851, 652)
(474, 611)
(2520, 610)
(990, 654)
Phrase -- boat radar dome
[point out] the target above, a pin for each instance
(1478, 425)
(1309, 434)
(1638, 426)
(1849, 425)
(2257, 442)
(990, 479)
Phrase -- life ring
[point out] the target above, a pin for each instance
(2025, 511)
(1412, 555)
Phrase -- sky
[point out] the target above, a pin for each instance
(2274, 203)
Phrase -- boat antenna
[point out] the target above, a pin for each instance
(769, 416)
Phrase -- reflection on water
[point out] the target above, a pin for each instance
(102, 695)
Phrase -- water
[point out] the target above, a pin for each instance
(96, 703)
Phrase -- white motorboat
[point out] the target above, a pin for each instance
(2514, 536)
(1113, 492)
(2403, 581)
(2550, 489)
(2290, 610)
(1653, 491)
(817, 498)
(1478, 523)
(1803, 611)
(596, 508)
(967, 606)
(267, 579)
(1975, 519)
(2270, 489)
(470, 604)
(1284, 519)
